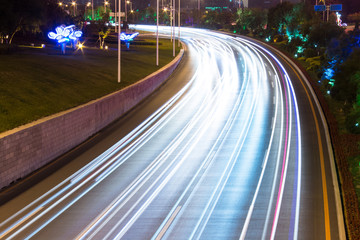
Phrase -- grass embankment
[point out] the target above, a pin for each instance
(36, 82)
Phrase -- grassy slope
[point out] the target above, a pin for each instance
(39, 82)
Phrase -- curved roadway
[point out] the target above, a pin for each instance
(233, 146)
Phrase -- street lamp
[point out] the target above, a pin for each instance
(92, 10)
(179, 25)
(157, 32)
(126, 3)
(174, 27)
(115, 17)
(86, 6)
(119, 43)
(105, 3)
(74, 4)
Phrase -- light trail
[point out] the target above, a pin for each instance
(204, 218)
(292, 96)
(198, 136)
(89, 168)
(248, 217)
(240, 97)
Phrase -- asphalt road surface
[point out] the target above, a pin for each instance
(232, 146)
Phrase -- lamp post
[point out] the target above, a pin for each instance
(115, 17)
(119, 44)
(86, 6)
(74, 4)
(179, 25)
(174, 28)
(92, 10)
(105, 3)
(171, 20)
(157, 32)
(126, 3)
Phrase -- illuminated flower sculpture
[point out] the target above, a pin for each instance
(64, 35)
(127, 38)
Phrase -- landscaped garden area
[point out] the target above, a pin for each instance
(37, 82)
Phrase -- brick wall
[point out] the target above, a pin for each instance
(27, 148)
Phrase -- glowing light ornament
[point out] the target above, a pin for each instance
(127, 38)
(338, 19)
(64, 35)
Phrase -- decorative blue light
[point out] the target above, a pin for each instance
(328, 73)
(127, 38)
(65, 34)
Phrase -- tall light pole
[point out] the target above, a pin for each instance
(179, 24)
(119, 43)
(86, 6)
(171, 20)
(74, 4)
(126, 3)
(105, 3)
(92, 10)
(157, 32)
(115, 18)
(174, 28)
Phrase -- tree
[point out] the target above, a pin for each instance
(54, 16)
(103, 30)
(148, 15)
(355, 17)
(210, 20)
(5, 20)
(19, 15)
(347, 80)
(252, 20)
(226, 18)
(321, 33)
(279, 17)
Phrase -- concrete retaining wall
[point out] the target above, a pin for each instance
(27, 148)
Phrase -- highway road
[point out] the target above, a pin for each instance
(233, 146)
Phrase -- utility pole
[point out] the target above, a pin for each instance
(116, 30)
(179, 24)
(157, 32)
(174, 29)
(92, 10)
(119, 43)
